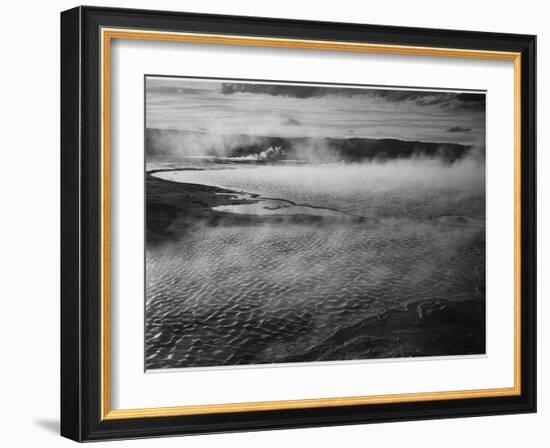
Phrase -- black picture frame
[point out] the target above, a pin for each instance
(81, 413)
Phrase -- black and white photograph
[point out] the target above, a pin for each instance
(299, 222)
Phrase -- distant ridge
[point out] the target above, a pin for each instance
(164, 143)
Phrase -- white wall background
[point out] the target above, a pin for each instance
(29, 236)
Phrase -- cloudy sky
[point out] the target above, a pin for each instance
(290, 110)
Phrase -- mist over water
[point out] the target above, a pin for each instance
(413, 188)
(264, 293)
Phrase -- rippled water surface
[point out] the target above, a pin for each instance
(254, 294)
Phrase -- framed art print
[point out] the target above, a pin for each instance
(274, 224)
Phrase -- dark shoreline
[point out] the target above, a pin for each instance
(174, 208)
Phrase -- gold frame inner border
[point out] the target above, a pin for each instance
(107, 35)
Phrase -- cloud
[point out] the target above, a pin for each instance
(473, 97)
(459, 129)
(293, 91)
(312, 110)
(447, 100)
(292, 122)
